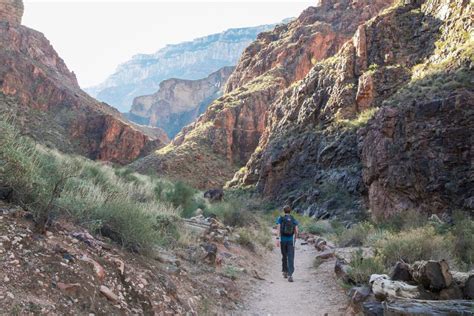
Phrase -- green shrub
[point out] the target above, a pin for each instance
(231, 213)
(246, 238)
(116, 203)
(318, 228)
(231, 272)
(356, 235)
(463, 234)
(182, 195)
(361, 268)
(416, 244)
(404, 221)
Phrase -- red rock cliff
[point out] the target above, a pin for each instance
(229, 131)
(327, 154)
(49, 98)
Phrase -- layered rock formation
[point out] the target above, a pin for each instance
(47, 103)
(191, 60)
(11, 11)
(208, 152)
(178, 102)
(327, 153)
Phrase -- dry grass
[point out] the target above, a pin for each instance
(122, 205)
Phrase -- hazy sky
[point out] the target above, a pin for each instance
(93, 37)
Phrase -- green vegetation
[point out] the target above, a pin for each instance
(242, 211)
(421, 243)
(408, 237)
(373, 68)
(231, 272)
(356, 235)
(360, 121)
(431, 81)
(134, 210)
(363, 267)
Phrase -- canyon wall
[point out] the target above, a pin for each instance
(386, 124)
(209, 151)
(191, 60)
(50, 106)
(178, 102)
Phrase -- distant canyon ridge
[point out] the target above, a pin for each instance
(193, 60)
(178, 102)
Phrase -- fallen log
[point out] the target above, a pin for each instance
(465, 281)
(428, 307)
(432, 275)
(384, 288)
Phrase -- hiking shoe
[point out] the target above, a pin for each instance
(290, 279)
(285, 275)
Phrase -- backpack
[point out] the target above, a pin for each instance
(287, 226)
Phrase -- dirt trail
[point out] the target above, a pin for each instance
(314, 292)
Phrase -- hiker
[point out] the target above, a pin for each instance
(287, 232)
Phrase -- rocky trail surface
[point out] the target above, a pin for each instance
(315, 291)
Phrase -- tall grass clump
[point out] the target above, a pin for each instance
(185, 197)
(463, 239)
(361, 267)
(416, 244)
(355, 236)
(114, 202)
(412, 236)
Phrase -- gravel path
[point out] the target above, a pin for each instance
(314, 292)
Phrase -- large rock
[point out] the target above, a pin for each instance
(419, 157)
(38, 89)
(178, 102)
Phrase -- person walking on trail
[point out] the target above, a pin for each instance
(287, 231)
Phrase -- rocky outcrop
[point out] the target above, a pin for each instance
(191, 60)
(318, 152)
(50, 106)
(178, 102)
(318, 33)
(11, 11)
(225, 136)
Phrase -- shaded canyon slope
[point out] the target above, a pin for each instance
(178, 102)
(43, 97)
(191, 60)
(386, 124)
(208, 152)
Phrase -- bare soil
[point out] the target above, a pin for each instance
(315, 290)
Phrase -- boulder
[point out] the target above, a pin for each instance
(214, 195)
(401, 272)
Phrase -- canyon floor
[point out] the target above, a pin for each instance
(315, 290)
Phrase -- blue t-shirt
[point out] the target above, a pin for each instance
(286, 238)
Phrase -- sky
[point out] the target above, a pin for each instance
(94, 37)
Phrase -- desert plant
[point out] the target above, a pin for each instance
(246, 238)
(361, 268)
(317, 227)
(356, 235)
(120, 205)
(416, 244)
(463, 234)
(182, 195)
